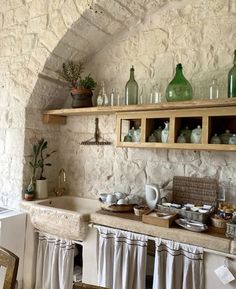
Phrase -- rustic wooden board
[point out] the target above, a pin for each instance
(154, 218)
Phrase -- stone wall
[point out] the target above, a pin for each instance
(37, 36)
(201, 36)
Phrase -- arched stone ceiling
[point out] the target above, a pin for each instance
(98, 24)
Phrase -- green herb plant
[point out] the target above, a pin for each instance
(71, 72)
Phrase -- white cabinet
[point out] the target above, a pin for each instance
(12, 236)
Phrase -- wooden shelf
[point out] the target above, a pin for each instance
(59, 115)
(214, 116)
(214, 119)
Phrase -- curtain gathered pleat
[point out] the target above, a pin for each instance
(177, 266)
(55, 262)
(121, 259)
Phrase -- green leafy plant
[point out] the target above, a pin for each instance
(39, 157)
(88, 82)
(71, 72)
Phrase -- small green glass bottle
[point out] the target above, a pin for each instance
(131, 89)
(179, 89)
(232, 79)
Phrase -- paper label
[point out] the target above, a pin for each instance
(224, 274)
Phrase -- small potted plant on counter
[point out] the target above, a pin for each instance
(38, 184)
(82, 88)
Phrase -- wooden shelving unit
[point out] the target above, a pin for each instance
(214, 116)
(214, 119)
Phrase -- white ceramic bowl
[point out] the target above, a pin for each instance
(111, 199)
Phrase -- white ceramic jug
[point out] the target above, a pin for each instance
(152, 195)
(165, 133)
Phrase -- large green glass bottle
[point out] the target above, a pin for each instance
(131, 89)
(232, 79)
(179, 89)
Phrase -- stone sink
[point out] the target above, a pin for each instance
(65, 216)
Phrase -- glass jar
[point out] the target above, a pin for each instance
(181, 139)
(224, 137)
(128, 138)
(215, 139)
(137, 135)
(187, 134)
(232, 139)
(152, 138)
(196, 135)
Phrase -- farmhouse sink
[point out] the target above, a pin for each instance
(65, 216)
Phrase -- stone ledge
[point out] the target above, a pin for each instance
(211, 241)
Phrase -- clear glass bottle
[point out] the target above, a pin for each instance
(131, 89)
(118, 98)
(112, 97)
(232, 79)
(214, 90)
(104, 95)
(100, 99)
(155, 96)
(179, 89)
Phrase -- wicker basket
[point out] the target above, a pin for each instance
(198, 191)
(219, 223)
(231, 230)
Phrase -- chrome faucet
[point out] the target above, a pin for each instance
(61, 183)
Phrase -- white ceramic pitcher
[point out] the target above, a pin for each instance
(152, 195)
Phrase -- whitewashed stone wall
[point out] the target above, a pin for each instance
(200, 35)
(110, 36)
(30, 32)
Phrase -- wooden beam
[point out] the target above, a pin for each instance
(54, 119)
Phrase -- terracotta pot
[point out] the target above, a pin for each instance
(29, 197)
(82, 97)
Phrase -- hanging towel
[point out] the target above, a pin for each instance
(177, 266)
(55, 262)
(121, 259)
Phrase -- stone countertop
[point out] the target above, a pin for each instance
(130, 222)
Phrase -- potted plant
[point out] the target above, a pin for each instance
(82, 88)
(38, 184)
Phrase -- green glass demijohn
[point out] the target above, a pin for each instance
(179, 89)
(232, 79)
(131, 89)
